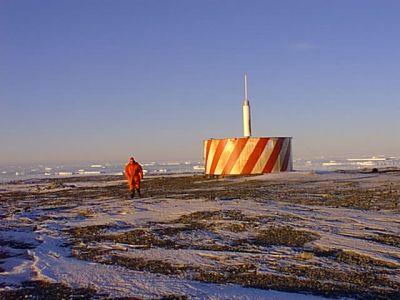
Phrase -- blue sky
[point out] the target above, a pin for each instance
(102, 80)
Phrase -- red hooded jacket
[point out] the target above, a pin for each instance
(134, 173)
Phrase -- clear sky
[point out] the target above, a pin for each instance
(102, 80)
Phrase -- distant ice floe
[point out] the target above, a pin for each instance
(331, 163)
(84, 172)
(322, 164)
(65, 173)
(373, 158)
(200, 168)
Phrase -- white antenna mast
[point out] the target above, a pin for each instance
(245, 87)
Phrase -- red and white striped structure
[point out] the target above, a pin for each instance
(247, 155)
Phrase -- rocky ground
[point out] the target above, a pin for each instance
(328, 235)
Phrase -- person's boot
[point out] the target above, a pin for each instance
(132, 194)
(138, 190)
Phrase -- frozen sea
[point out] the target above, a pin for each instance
(33, 171)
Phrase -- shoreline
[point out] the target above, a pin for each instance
(105, 176)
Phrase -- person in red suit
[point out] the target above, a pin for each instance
(134, 174)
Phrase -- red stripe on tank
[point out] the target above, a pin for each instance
(217, 155)
(233, 158)
(273, 157)
(254, 156)
(208, 146)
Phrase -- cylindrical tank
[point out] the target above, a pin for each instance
(247, 155)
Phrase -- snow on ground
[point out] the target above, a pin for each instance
(51, 260)
(35, 243)
(120, 282)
